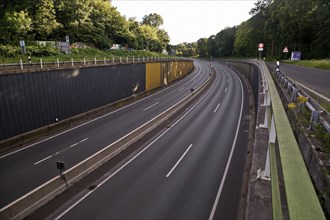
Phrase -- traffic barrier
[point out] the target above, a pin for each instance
(22, 66)
(294, 88)
(297, 185)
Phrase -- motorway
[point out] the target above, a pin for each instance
(26, 169)
(193, 169)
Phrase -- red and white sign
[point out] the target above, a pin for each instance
(285, 50)
(261, 45)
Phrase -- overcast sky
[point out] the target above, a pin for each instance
(186, 20)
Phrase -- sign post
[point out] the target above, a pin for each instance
(67, 40)
(260, 49)
(61, 168)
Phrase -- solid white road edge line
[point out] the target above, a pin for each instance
(177, 163)
(229, 159)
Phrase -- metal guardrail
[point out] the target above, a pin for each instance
(7, 67)
(317, 112)
(284, 161)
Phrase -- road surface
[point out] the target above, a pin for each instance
(191, 170)
(315, 79)
(26, 169)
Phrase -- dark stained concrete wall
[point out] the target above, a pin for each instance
(32, 100)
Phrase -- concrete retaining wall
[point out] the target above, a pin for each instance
(31, 100)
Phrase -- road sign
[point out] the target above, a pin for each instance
(260, 49)
(22, 43)
(285, 50)
(261, 45)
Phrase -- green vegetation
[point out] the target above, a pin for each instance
(318, 131)
(324, 137)
(299, 25)
(320, 64)
(93, 22)
(302, 25)
(50, 54)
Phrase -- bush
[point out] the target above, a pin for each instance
(41, 51)
(9, 51)
(323, 136)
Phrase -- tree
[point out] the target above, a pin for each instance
(153, 19)
(224, 42)
(44, 21)
(163, 38)
(17, 25)
(244, 35)
(202, 47)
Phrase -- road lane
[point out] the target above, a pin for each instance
(315, 79)
(20, 173)
(180, 173)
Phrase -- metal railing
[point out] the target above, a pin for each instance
(284, 160)
(7, 67)
(292, 88)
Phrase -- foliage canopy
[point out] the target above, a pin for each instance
(299, 25)
(94, 22)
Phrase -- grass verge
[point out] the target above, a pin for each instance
(320, 64)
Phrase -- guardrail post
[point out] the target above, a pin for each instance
(95, 60)
(267, 110)
(105, 61)
(286, 81)
(263, 82)
(314, 116)
(133, 59)
(271, 140)
(265, 98)
(294, 93)
(58, 62)
(119, 59)
(41, 66)
(84, 61)
(21, 64)
(289, 87)
(265, 124)
(72, 61)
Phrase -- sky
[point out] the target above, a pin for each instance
(189, 20)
